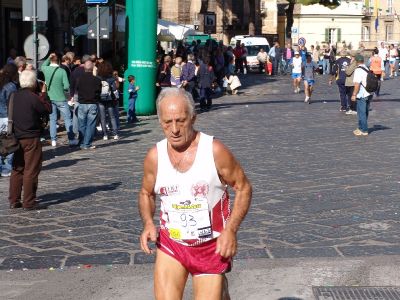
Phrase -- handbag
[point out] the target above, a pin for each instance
(8, 142)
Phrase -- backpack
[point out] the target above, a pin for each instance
(106, 91)
(372, 81)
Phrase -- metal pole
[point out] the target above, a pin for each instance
(35, 36)
(98, 29)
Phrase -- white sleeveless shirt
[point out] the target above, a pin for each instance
(194, 204)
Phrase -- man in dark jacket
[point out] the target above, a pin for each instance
(188, 74)
(339, 73)
(206, 79)
(75, 75)
(89, 90)
(27, 111)
(277, 59)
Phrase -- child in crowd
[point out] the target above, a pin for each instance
(176, 73)
(133, 93)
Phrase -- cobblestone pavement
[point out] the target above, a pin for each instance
(319, 191)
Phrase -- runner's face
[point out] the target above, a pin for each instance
(176, 122)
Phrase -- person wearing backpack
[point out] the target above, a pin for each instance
(107, 99)
(361, 95)
(57, 84)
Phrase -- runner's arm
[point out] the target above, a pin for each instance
(147, 200)
(232, 174)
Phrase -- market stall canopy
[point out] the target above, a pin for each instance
(177, 30)
(166, 30)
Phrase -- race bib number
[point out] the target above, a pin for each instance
(189, 221)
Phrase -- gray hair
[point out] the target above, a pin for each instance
(20, 61)
(85, 58)
(190, 56)
(177, 93)
(27, 79)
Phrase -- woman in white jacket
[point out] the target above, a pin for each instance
(232, 82)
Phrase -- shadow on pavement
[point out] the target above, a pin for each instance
(290, 298)
(67, 196)
(378, 128)
(63, 163)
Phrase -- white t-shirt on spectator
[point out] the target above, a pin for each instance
(360, 76)
(383, 53)
(297, 63)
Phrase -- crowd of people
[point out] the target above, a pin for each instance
(202, 69)
(83, 91)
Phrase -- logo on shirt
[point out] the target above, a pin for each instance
(169, 190)
(200, 189)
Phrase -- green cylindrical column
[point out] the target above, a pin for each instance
(141, 45)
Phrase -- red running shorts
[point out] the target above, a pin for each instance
(197, 260)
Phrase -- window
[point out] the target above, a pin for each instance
(333, 35)
(390, 7)
(389, 32)
(365, 33)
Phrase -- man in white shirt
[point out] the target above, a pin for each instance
(296, 71)
(360, 95)
(384, 54)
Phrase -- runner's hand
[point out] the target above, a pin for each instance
(149, 233)
(226, 244)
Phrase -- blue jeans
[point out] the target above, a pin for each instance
(104, 108)
(75, 124)
(5, 161)
(132, 110)
(63, 107)
(287, 66)
(326, 66)
(87, 116)
(205, 95)
(362, 113)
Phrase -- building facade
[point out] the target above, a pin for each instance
(381, 22)
(320, 25)
(233, 17)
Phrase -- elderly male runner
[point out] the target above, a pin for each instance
(190, 172)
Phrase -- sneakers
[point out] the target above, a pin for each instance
(99, 128)
(116, 137)
(351, 112)
(74, 142)
(342, 109)
(89, 148)
(307, 99)
(358, 132)
(105, 138)
(53, 143)
(298, 90)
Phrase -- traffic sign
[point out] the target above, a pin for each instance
(302, 41)
(96, 1)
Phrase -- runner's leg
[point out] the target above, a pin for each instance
(209, 287)
(169, 277)
(306, 88)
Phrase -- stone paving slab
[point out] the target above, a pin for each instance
(318, 190)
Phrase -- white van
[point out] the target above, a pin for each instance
(253, 45)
